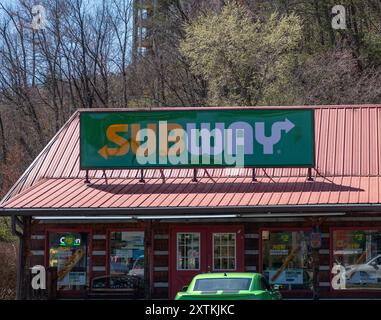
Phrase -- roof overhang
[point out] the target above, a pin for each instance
(189, 217)
(236, 211)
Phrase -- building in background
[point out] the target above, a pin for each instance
(146, 27)
(143, 14)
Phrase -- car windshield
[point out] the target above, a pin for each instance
(233, 284)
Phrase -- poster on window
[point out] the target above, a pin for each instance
(68, 253)
(77, 278)
(363, 278)
(359, 251)
(290, 276)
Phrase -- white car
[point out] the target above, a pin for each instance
(138, 267)
(367, 272)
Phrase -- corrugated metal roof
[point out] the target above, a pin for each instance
(182, 192)
(348, 153)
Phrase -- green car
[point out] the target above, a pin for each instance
(229, 286)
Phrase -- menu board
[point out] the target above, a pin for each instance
(350, 243)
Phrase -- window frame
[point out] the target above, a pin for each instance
(235, 251)
(89, 231)
(260, 251)
(199, 250)
(331, 260)
(143, 13)
(108, 244)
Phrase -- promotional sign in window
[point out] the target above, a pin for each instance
(359, 254)
(289, 276)
(197, 138)
(77, 278)
(69, 253)
(286, 259)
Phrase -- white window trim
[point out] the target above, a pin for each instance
(177, 251)
(235, 250)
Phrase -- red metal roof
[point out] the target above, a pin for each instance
(182, 192)
(348, 156)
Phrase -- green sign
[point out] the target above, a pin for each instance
(359, 237)
(197, 138)
(70, 241)
(283, 237)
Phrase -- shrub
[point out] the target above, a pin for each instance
(8, 270)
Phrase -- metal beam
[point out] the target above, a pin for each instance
(184, 217)
(290, 209)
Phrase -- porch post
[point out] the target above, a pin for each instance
(148, 261)
(20, 260)
(25, 247)
(315, 272)
(316, 227)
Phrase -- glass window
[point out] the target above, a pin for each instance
(143, 14)
(286, 258)
(359, 252)
(143, 32)
(224, 251)
(127, 253)
(188, 251)
(142, 51)
(231, 284)
(68, 251)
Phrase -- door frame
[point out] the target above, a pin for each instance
(205, 248)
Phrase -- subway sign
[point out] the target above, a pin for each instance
(70, 241)
(203, 137)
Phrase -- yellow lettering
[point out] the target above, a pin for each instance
(112, 136)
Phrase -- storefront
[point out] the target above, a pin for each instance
(145, 233)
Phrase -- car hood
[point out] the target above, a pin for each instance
(356, 266)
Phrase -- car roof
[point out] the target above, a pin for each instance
(227, 275)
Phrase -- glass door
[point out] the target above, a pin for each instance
(187, 257)
(196, 250)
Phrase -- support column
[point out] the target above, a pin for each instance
(148, 263)
(316, 227)
(315, 273)
(25, 254)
